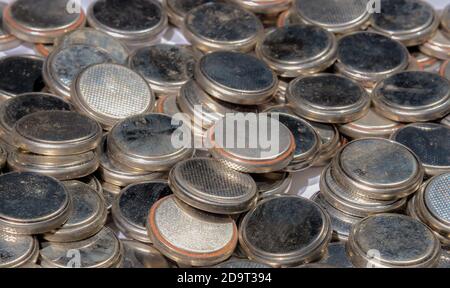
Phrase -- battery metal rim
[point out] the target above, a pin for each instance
(324, 114)
(209, 45)
(83, 230)
(232, 95)
(264, 7)
(310, 253)
(130, 37)
(219, 204)
(360, 258)
(33, 35)
(379, 192)
(174, 18)
(28, 256)
(437, 47)
(410, 114)
(54, 148)
(283, 187)
(182, 256)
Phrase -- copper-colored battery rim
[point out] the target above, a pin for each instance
(282, 18)
(282, 157)
(444, 68)
(160, 104)
(201, 256)
(42, 49)
(7, 17)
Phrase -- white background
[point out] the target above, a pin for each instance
(305, 183)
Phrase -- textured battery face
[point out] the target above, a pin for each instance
(21, 74)
(132, 15)
(113, 92)
(297, 44)
(342, 15)
(41, 127)
(414, 89)
(378, 162)
(191, 230)
(237, 71)
(403, 16)
(222, 22)
(15, 248)
(39, 197)
(299, 226)
(136, 200)
(399, 239)
(66, 63)
(437, 197)
(367, 52)
(43, 14)
(99, 251)
(23, 105)
(429, 142)
(164, 64)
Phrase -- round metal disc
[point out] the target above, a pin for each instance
(413, 96)
(298, 49)
(88, 36)
(339, 17)
(222, 26)
(41, 21)
(56, 133)
(16, 250)
(393, 241)
(136, 22)
(337, 256)
(102, 250)
(209, 185)
(437, 197)
(290, 238)
(20, 74)
(138, 255)
(241, 149)
(189, 236)
(145, 142)
(177, 9)
(87, 217)
(328, 98)
(32, 203)
(65, 63)
(370, 57)
(131, 208)
(109, 93)
(236, 77)
(7, 40)
(370, 125)
(409, 21)
(430, 142)
(270, 184)
(241, 264)
(18, 107)
(165, 67)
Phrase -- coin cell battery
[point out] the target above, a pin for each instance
(392, 241)
(275, 183)
(65, 62)
(221, 26)
(110, 93)
(139, 255)
(209, 185)
(189, 236)
(131, 207)
(411, 21)
(412, 96)
(20, 74)
(430, 142)
(87, 217)
(437, 46)
(7, 40)
(25, 212)
(178, 9)
(370, 57)
(144, 142)
(165, 67)
(136, 22)
(339, 17)
(328, 98)
(17, 251)
(297, 50)
(41, 21)
(368, 167)
(298, 235)
(236, 78)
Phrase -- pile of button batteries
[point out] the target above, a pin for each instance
(119, 151)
